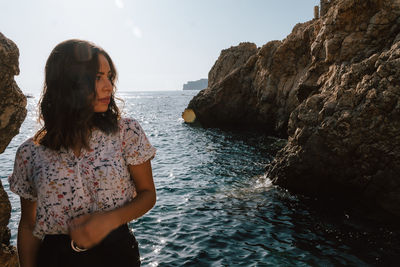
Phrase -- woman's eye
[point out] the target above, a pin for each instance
(98, 77)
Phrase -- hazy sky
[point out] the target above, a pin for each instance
(155, 44)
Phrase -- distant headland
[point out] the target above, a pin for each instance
(196, 85)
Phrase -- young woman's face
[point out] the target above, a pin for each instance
(104, 86)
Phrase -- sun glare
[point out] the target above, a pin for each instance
(119, 3)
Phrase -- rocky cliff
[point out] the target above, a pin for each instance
(333, 88)
(12, 114)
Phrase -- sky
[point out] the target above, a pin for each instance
(155, 44)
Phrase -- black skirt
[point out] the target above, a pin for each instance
(119, 248)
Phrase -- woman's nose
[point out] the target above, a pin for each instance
(107, 85)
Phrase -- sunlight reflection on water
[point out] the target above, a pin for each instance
(215, 206)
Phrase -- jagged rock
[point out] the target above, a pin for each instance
(8, 256)
(344, 139)
(219, 105)
(12, 100)
(260, 93)
(229, 60)
(333, 85)
(12, 114)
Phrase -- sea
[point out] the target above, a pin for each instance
(215, 205)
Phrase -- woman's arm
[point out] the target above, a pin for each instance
(27, 243)
(146, 195)
(90, 229)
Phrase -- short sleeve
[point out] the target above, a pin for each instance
(21, 180)
(136, 147)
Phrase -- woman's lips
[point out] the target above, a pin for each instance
(104, 100)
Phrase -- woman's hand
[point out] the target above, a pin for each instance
(88, 230)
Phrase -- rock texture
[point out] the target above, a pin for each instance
(12, 114)
(333, 86)
(229, 88)
(12, 100)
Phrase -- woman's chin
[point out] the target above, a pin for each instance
(100, 110)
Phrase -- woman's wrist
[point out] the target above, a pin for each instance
(114, 219)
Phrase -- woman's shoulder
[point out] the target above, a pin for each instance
(130, 128)
(126, 123)
(28, 145)
(127, 120)
(28, 150)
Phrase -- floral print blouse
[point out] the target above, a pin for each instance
(65, 186)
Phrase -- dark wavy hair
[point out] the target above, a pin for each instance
(67, 102)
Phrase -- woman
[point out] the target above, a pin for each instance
(86, 173)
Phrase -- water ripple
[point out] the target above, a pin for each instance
(215, 207)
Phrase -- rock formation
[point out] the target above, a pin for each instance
(218, 105)
(333, 87)
(196, 85)
(12, 114)
(324, 6)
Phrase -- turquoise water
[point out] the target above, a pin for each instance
(215, 207)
